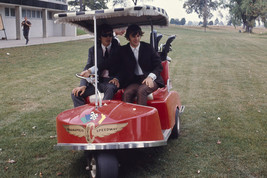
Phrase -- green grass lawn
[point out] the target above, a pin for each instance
(220, 73)
(81, 32)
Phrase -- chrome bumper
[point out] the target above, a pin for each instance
(115, 145)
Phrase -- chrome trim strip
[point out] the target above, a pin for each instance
(166, 133)
(110, 146)
(117, 145)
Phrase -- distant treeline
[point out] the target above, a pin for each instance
(177, 21)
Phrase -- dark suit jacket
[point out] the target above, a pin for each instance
(102, 63)
(149, 62)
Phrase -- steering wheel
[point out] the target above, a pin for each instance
(91, 79)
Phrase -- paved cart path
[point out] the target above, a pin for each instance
(36, 41)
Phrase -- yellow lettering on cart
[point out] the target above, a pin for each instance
(103, 117)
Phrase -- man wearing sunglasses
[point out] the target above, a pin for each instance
(108, 84)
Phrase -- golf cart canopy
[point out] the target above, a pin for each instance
(116, 18)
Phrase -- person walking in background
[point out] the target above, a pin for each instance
(26, 28)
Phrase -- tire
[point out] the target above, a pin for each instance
(103, 165)
(176, 128)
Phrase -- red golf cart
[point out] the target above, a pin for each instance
(100, 127)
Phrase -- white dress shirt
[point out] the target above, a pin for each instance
(105, 72)
(138, 70)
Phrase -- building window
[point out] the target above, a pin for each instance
(38, 14)
(6, 11)
(12, 10)
(49, 15)
(23, 13)
(33, 14)
(29, 14)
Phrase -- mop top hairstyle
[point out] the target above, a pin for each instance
(133, 30)
(103, 29)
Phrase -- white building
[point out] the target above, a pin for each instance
(39, 12)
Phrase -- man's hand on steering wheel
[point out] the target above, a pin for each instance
(86, 73)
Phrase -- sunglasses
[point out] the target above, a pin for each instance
(107, 35)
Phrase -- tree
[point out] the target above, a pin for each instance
(247, 11)
(229, 20)
(183, 21)
(210, 22)
(190, 23)
(125, 3)
(172, 21)
(216, 22)
(92, 4)
(202, 8)
(175, 21)
(100, 4)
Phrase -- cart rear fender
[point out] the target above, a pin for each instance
(166, 107)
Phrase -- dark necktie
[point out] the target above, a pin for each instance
(106, 53)
(105, 72)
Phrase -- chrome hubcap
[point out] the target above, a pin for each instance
(93, 167)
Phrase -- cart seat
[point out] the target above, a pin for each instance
(160, 93)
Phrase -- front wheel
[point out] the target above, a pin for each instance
(176, 129)
(103, 165)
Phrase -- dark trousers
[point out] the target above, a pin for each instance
(139, 90)
(26, 35)
(109, 90)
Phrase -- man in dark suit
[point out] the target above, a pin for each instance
(107, 69)
(140, 69)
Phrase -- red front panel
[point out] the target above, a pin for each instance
(115, 121)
